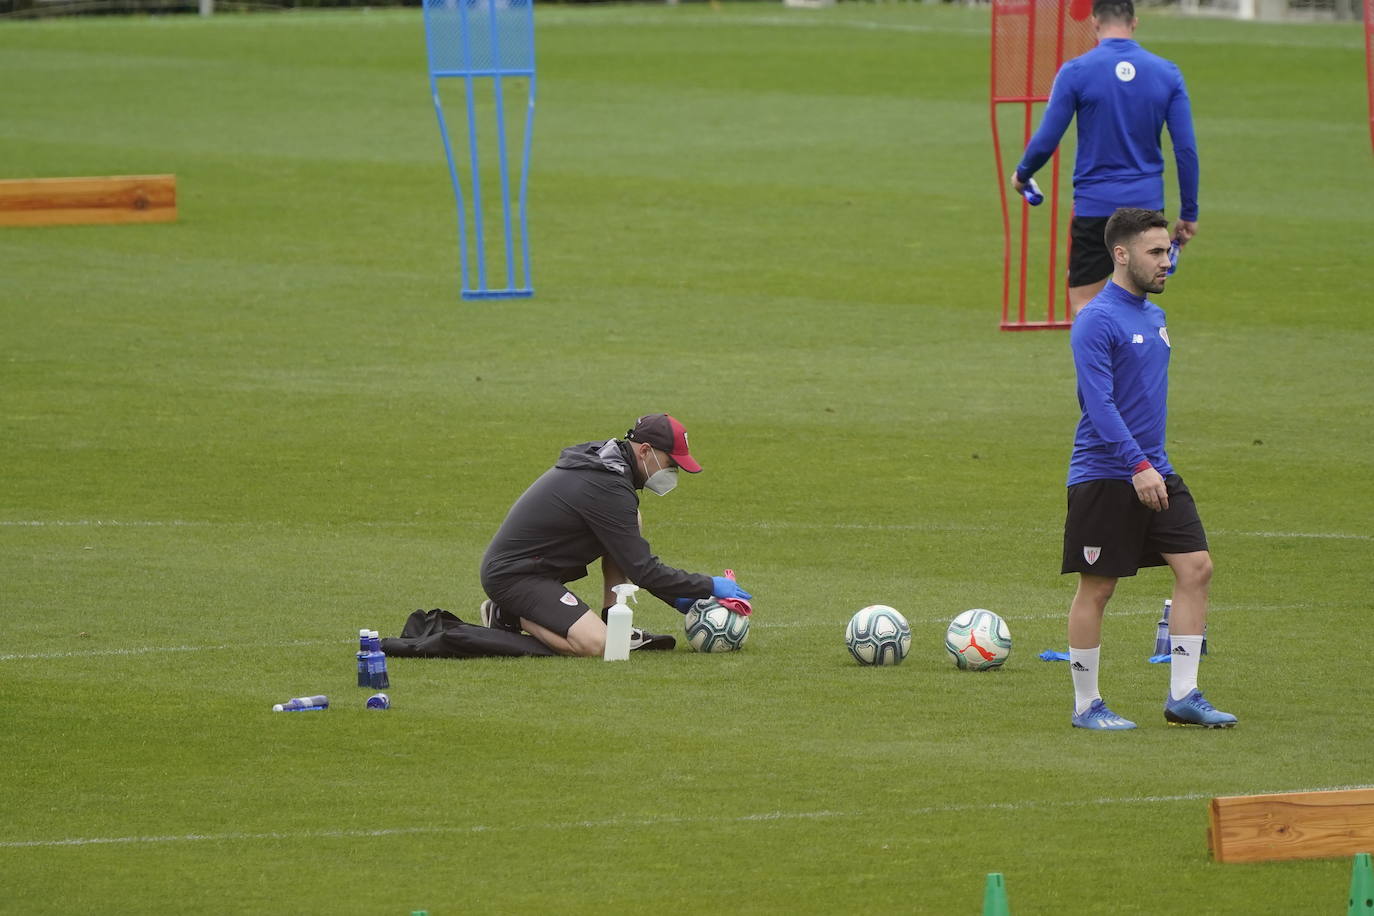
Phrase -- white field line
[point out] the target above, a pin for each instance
(102, 522)
(149, 650)
(762, 526)
(623, 822)
(1057, 615)
(1301, 534)
(861, 526)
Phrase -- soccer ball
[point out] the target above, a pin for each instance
(978, 640)
(878, 635)
(712, 627)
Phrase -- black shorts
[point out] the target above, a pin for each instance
(546, 602)
(1089, 260)
(1109, 532)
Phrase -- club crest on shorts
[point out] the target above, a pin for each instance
(1091, 554)
(1164, 335)
(569, 599)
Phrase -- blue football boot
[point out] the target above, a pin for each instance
(1098, 716)
(1195, 710)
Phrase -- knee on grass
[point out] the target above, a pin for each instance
(587, 637)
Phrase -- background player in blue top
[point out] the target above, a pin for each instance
(1122, 96)
(1127, 508)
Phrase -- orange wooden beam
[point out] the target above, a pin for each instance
(1296, 825)
(78, 201)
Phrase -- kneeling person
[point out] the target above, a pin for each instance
(583, 508)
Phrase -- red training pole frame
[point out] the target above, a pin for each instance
(1031, 39)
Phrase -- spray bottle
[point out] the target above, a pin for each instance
(618, 618)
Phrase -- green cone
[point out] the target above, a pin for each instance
(995, 895)
(1361, 887)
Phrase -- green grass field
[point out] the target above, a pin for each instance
(228, 443)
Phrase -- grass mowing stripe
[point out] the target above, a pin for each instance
(1320, 39)
(768, 625)
(615, 822)
(778, 21)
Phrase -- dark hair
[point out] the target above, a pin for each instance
(1128, 222)
(1122, 11)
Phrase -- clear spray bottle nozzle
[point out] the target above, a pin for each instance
(625, 592)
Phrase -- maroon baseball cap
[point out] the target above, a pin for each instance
(667, 435)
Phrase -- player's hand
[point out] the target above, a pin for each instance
(722, 587)
(1184, 230)
(1017, 183)
(1150, 489)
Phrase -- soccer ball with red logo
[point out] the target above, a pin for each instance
(978, 640)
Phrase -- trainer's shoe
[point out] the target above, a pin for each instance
(491, 617)
(1097, 716)
(640, 639)
(1195, 710)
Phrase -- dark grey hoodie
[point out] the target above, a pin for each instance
(583, 508)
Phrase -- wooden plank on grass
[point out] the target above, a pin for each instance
(78, 201)
(1296, 825)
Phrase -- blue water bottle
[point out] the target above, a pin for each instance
(1031, 192)
(302, 704)
(377, 678)
(364, 648)
(1162, 646)
(1174, 248)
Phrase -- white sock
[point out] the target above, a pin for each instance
(1187, 652)
(1083, 667)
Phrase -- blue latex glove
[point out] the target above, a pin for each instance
(722, 587)
(684, 605)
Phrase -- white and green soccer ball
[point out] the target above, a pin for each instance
(712, 627)
(978, 640)
(878, 635)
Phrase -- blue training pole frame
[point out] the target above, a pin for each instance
(473, 40)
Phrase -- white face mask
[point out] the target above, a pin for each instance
(662, 480)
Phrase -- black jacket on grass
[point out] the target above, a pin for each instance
(583, 508)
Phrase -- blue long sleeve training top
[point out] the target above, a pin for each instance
(1123, 95)
(1121, 353)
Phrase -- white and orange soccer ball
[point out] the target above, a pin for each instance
(978, 640)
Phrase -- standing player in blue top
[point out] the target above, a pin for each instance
(1123, 96)
(1127, 506)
